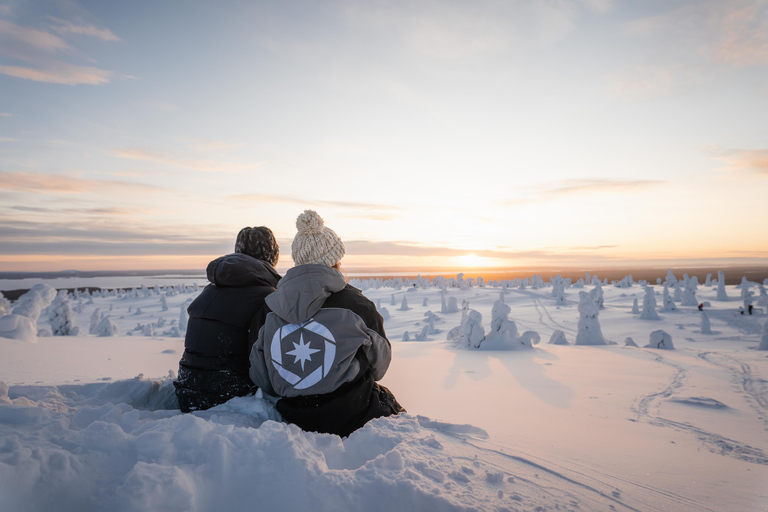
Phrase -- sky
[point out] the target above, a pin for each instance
(484, 133)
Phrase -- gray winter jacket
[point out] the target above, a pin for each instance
(305, 348)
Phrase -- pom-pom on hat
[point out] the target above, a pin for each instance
(315, 243)
(258, 243)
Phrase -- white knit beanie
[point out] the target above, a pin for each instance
(315, 243)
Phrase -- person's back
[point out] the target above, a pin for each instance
(224, 321)
(323, 344)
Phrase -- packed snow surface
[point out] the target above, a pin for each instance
(88, 421)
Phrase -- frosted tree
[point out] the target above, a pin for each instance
(502, 328)
(406, 336)
(708, 281)
(597, 295)
(183, 317)
(678, 295)
(558, 338)
(629, 342)
(745, 286)
(667, 303)
(5, 305)
(589, 332)
(62, 317)
(431, 319)
(660, 339)
(472, 332)
(721, 295)
(163, 303)
(764, 340)
(635, 308)
(762, 300)
(649, 306)
(392, 301)
(706, 327)
(107, 327)
(404, 305)
(425, 302)
(32, 303)
(671, 279)
(384, 313)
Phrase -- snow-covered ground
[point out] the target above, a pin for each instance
(85, 422)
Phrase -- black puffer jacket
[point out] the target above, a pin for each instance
(224, 321)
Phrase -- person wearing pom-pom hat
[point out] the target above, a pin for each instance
(323, 346)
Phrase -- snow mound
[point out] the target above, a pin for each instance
(102, 453)
(660, 339)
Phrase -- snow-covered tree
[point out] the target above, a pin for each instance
(558, 338)
(690, 286)
(404, 304)
(163, 303)
(660, 339)
(589, 332)
(635, 308)
(597, 295)
(721, 295)
(472, 332)
(107, 327)
(629, 342)
(764, 339)
(95, 319)
(649, 305)
(62, 317)
(667, 303)
(706, 326)
(183, 317)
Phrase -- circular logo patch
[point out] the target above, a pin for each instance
(303, 353)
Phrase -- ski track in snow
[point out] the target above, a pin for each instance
(715, 443)
(743, 378)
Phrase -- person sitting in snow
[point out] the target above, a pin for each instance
(224, 321)
(323, 346)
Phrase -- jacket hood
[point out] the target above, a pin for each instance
(239, 269)
(303, 290)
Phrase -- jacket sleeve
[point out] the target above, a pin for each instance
(258, 372)
(378, 353)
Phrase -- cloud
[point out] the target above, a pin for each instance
(648, 82)
(100, 211)
(597, 185)
(753, 161)
(5, 114)
(95, 237)
(730, 32)
(61, 184)
(60, 73)
(555, 190)
(41, 51)
(277, 198)
(149, 155)
(67, 27)
(8, 139)
(413, 249)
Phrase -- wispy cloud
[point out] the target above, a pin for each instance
(60, 73)
(385, 212)
(42, 51)
(413, 249)
(95, 237)
(754, 161)
(558, 189)
(8, 139)
(6, 114)
(597, 185)
(61, 184)
(111, 211)
(67, 27)
(648, 82)
(158, 157)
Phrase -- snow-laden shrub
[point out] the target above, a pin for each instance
(62, 317)
(589, 332)
(660, 339)
(558, 338)
(649, 306)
